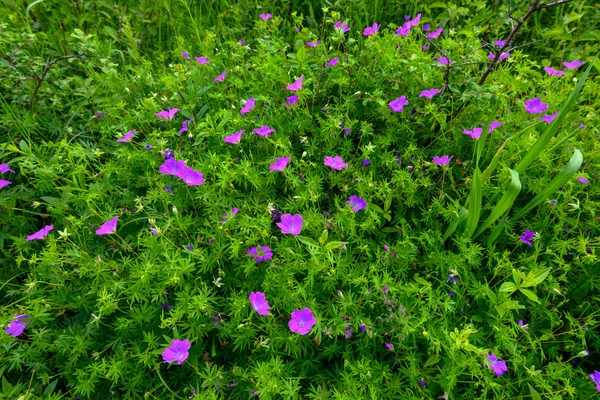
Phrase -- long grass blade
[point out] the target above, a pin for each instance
(504, 204)
(462, 215)
(474, 203)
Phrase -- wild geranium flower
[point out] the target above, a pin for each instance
(313, 44)
(503, 56)
(127, 137)
(581, 179)
(184, 125)
(494, 125)
(371, 30)
(398, 104)
(302, 321)
(280, 164)
(172, 167)
(265, 17)
(335, 162)
(443, 160)
(292, 100)
(366, 162)
(234, 138)
(596, 378)
(332, 62)
(41, 234)
(548, 118)
(108, 228)
(264, 131)
(499, 367)
(389, 346)
(4, 183)
(429, 93)
(191, 177)
(500, 43)
(444, 60)
(435, 34)
(248, 106)
(148, 147)
(5, 168)
(297, 85)
(344, 27)
(356, 203)
(290, 224)
(202, 60)
(177, 352)
(426, 27)
(415, 21)
(185, 55)
(554, 72)
(167, 114)
(241, 42)
(17, 326)
(189, 247)
(526, 237)
(259, 303)
(403, 30)
(475, 133)
(260, 253)
(535, 106)
(221, 77)
(573, 64)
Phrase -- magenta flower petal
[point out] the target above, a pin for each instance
(185, 55)
(191, 177)
(548, 118)
(554, 72)
(398, 104)
(526, 237)
(302, 321)
(202, 60)
(41, 234)
(248, 106)
(178, 351)
(444, 60)
(167, 114)
(260, 253)
(535, 106)
(280, 164)
(4, 183)
(356, 203)
(265, 17)
(475, 133)
(503, 56)
(443, 160)
(494, 125)
(332, 62)
(292, 100)
(335, 162)
(17, 326)
(435, 34)
(221, 77)
(581, 179)
(371, 30)
(234, 138)
(290, 224)
(108, 228)
(5, 168)
(429, 93)
(184, 125)
(259, 303)
(264, 131)
(172, 167)
(573, 64)
(499, 367)
(127, 137)
(297, 85)
(596, 378)
(500, 43)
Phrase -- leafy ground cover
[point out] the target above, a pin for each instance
(218, 200)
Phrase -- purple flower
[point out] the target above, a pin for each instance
(426, 27)
(429, 93)
(474, 134)
(554, 72)
(425, 47)
(356, 203)
(302, 321)
(498, 366)
(264, 131)
(389, 346)
(248, 106)
(535, 106)
(127, 137)
(168, 154)
(526, 237)
(443, 160)
(290, 224)
(452, 277)
(17, 325)
(189, 247)
(435, 34)
(280, 164)
(451, 293)
(260, 253)
(421, 382)
(386, 288)
(234, 211)
(313, 44)
(211, 240)
(553, 203)
(41, 234)
(221, 77)
(184, 125)
(386, 248)
(167, 114)
(297, 85)
(191, 177)
(581, 179)
(332, 62)
(573, 64)
(335, 162)
(202, 60)
(234, 138)
(403, 30)
(344, 27)
(494, 125)
(5, 168)
(172, 167)
(148, 147)
(185, 55)
(153, 231)
(259, 303)
(241, 42)
(292, 100)
(169, 190)
(366, 162)
(177, 352)
(108, 228)
(548, 118)
(348, 331)
(265, 17)
(444, 60)
(500, 43)
(371, 30)
(503, 56)
(398, 104)
(362, 327)
(596, 378)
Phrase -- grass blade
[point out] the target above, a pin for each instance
(474, 203)
(462, 215)
(504, 204)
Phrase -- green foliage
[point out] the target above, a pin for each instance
(433, 266)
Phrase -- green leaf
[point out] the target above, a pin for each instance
(308, 241)
(474, 203)
(504, 204)
(559, 180)
(534, 394)
(333, 245)
(301, 54)
(483, 138)
(462, 215)
(508, 287)
(532, 296)
(541, 275)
